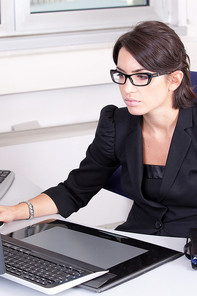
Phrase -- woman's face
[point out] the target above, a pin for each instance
(141, 100)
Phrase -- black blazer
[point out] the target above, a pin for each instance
(118, 141)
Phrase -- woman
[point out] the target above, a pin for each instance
(154, 139)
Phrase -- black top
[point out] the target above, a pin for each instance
(152, 179)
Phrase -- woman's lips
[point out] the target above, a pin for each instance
(131, 102)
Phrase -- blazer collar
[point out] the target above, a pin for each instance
(180, 143)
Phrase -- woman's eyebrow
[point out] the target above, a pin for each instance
(134, 71)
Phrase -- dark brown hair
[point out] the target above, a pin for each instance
(159, 49)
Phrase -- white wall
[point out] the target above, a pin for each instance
(57, 107)
(54, 87)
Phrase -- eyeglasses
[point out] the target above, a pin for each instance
(137, 79)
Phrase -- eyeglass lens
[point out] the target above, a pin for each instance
(136, 79)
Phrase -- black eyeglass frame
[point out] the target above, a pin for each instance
(150, 76)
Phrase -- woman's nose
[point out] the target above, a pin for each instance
(129, 87)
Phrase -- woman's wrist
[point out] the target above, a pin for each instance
(30, 207)
(20, 211)
(38, 206)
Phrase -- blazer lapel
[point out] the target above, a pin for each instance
(178, 149)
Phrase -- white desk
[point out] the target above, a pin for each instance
(173, 278)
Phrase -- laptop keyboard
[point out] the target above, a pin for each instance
(47, 273)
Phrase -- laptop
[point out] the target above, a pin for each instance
(42, 270)
(102, 259)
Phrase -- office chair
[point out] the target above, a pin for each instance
(194, 80)
(113, 183)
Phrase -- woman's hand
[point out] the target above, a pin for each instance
(11, 213)
(7, 213)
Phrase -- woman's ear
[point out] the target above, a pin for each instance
(175, 79)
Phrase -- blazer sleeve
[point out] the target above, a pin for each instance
(94, 170)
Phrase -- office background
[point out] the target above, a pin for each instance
(53, 86)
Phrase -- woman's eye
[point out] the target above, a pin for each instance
(120, 75)
(142, 76)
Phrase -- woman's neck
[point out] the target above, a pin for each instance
(165, 122)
